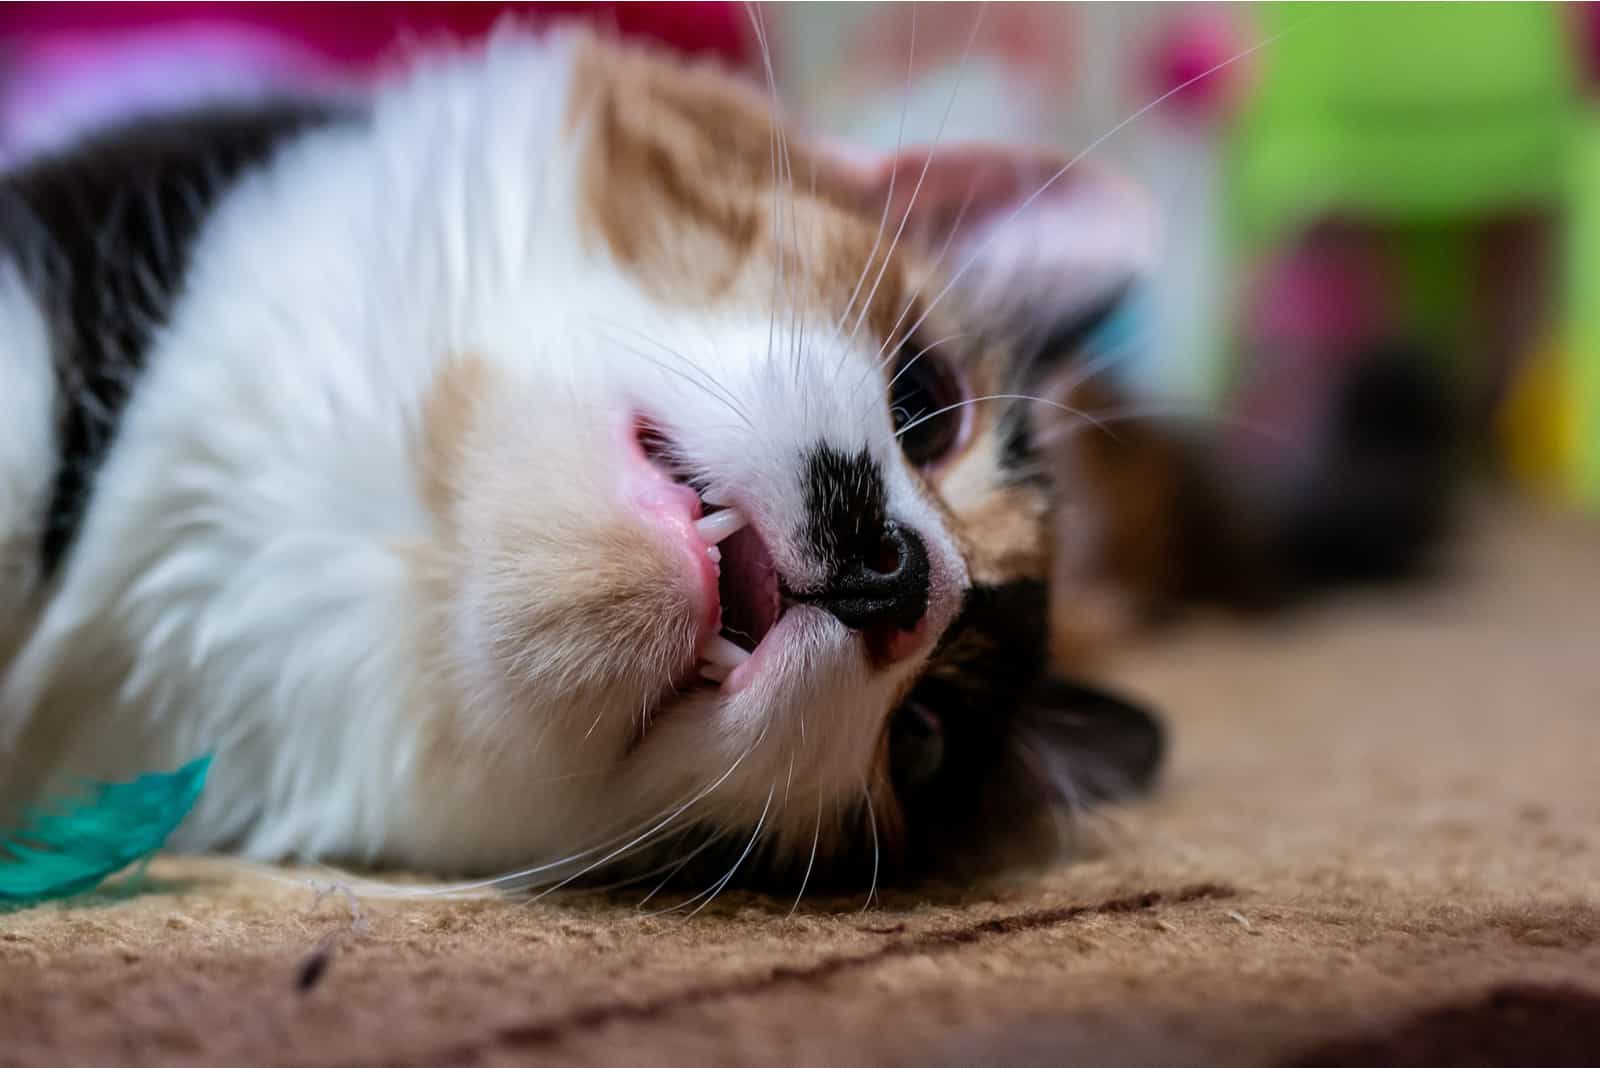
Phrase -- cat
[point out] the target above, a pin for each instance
(549, 463)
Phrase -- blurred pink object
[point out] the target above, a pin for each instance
(57, 86)
(71, 66)
(1197, 57)
(1330, 294)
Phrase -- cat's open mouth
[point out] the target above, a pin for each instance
(747, 587)
(747, 579)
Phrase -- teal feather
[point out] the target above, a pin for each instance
(69, 845)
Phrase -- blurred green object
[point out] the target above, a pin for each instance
(70, 845)
(1404, 112)
(1578, 363)
(1427, 119)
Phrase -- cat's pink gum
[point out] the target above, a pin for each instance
(765, 649)
(671, 509)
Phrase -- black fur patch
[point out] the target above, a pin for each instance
(103, 233)
(846, 505)
(989, 743)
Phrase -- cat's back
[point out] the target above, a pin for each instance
(217, 334)
(238, 254)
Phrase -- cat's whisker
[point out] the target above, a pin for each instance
(816, 838)
(1157, 410)
(758, 27)
(522, 879)
(654, 831)
(811, 159)
(894, 174)
(920, 353)
(983, 245)
(598, 716)
(872, 822)
(705, 382)
(1103, 362)
(676, 866)
(905, 216)
(919, 420)
(782, 192)
(755, 836)
(893, 339)
(638, 877)
(711, 892)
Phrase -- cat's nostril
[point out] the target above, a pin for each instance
(890, 556)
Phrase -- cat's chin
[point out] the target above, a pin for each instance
(794, 629)
(764, 674)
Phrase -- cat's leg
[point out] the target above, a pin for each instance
(28, 454)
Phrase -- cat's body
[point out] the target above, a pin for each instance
(378, 447)
(351, 442)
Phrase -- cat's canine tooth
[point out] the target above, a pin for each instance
(713, 673)
(719, 525)
(717, 498)
(720, 652)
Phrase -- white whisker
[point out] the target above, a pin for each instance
(929, 347)
(872, 822)
(905, 216)
(894, 174)
(676, 866)
(704, 382)
(816, 837)
(1028, 202)
(1128, 413)
(754, 837)
(919, 420)
(608, 858)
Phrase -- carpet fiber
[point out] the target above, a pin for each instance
(1379, 843)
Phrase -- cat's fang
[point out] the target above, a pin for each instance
(718, 526)
(720, 652)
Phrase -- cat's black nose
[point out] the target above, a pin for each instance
(883, 581)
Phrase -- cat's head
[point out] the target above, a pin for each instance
(750, 543)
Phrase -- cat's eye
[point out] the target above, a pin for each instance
(925, 398)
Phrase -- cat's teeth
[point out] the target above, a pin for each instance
(720, 652)
(712, 673)
(715, 554)
(719, 525)
(717, 498)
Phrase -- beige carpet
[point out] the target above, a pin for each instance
(1379, 843)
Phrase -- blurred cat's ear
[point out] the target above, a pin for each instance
(1091, 744)
(1026, 230)
(982, 787)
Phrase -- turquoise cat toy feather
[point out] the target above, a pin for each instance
(70, 844)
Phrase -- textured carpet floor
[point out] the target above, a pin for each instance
(1379, 844)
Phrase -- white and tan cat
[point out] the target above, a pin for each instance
(546, 464)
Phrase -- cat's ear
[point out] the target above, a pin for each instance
(982, 786)
(1089, 744)
(1029, 232)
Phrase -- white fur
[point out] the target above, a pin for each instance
(27, 451)
(241, 584)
